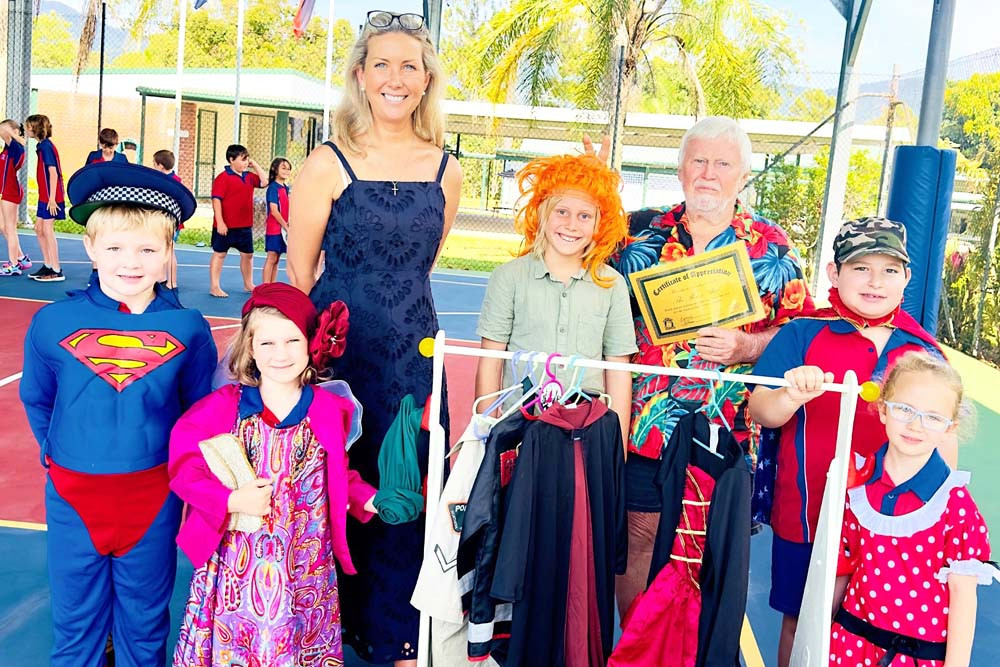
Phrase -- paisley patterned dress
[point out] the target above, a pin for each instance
(380, 243)
(270, 597)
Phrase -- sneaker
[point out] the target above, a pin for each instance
(8, 269)
(24, 262)
(42, 271)
(51, 277)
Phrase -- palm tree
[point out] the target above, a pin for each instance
(728, 50)
(143, 11)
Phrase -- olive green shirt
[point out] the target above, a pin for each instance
(528, 309)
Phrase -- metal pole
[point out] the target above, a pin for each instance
(181, 39)
(432, 16)
(100, 76)
(935, 73)
(329, 73)
(142, 129)
(890, 119)
(239, 66)
(18, 94)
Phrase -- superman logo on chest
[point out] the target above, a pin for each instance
(121, 357)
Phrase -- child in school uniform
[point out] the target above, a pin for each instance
(11, 195)
(107, 372)
(914, 546)
(51, 200)
(560, 295)
(232, 226)
(163, 162)
(277, 217)
(107, 138)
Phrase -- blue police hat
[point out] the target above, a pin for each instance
(120, 183)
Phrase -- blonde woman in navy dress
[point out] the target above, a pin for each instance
(379, 200)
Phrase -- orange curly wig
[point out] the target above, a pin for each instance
(547, 177)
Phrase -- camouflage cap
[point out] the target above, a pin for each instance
(867, 236)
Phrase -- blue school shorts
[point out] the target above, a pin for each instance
(789, 567)
(275, 243)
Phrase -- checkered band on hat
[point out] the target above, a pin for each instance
(140, 196)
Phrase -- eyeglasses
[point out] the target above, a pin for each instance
(382, 19)
(931, 421)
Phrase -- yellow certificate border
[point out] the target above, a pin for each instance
(736, 252)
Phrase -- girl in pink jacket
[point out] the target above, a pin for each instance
(270, 595)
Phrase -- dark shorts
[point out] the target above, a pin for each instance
(789, 567)
(641, 494)
(43, 212)
(240, 239)
(275, 243)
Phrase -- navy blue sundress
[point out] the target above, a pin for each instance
(380, 243)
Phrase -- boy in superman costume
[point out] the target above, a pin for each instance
(107, 372)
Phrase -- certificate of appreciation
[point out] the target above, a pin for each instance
(714, 288)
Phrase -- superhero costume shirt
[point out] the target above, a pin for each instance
(101, 401)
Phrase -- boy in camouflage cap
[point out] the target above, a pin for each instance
(863, 330)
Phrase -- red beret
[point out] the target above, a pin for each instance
(290, 302)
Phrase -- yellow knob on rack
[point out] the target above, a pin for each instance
(426, 347)
(870, 392)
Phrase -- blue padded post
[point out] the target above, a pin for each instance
(920, 198)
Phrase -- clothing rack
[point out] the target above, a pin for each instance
(812, 638)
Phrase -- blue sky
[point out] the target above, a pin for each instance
(896, 32)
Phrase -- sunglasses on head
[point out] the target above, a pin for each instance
(382, 19)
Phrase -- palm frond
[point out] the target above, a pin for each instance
(86, 37)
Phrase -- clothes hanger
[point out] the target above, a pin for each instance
(575, 382)
(548, 391)
(506, 392)
(536, 386)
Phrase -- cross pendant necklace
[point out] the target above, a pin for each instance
(394, 188)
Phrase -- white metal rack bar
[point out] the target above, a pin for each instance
(812, 639)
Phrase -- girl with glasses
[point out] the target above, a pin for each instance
(913, 544)
(379, 199)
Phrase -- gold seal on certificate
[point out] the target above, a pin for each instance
(714, 288)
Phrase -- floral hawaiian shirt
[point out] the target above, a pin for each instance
(660, 236)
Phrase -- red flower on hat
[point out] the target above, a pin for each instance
(330, 338)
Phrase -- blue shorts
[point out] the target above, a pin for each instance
(240, 238)
(789, 567)
(43, 211)
(275, 243)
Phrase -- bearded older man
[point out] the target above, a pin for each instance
(713, 168)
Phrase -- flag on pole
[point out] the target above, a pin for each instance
(302, 16)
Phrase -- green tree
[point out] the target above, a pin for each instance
(811, 104)
(971, 122)
(268, 42)
(792, 196)
(51, 42)
(730, 51)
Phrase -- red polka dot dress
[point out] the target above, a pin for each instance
(899, 566)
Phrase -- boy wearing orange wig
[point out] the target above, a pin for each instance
(560, 295)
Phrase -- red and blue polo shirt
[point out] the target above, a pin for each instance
(277, 193)
(48, 156)
(804, 447)
(11, 160)
(894, 499)
(98, 156)
(235, 191)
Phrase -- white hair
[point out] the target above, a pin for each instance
(714, 127)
